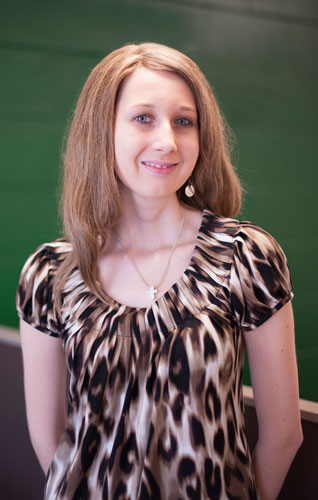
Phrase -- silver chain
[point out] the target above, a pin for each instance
(153, 289)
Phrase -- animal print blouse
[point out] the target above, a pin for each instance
(155, 394)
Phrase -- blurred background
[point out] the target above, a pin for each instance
(260, 57)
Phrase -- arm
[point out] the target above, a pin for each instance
(272, 361)
(45, 390)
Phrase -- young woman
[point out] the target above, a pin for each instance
(149, 301)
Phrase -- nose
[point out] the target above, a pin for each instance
(165, 140)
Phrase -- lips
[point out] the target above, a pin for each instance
(160, 165)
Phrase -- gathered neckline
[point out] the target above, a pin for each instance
(197, 288)
(110, 301)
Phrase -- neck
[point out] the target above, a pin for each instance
(148, 223)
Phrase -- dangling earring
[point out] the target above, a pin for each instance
(189, 189)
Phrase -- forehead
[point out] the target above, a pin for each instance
(155, 84)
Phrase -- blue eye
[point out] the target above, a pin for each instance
(143, 119)
(183, 121)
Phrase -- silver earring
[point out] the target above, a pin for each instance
(189, 189)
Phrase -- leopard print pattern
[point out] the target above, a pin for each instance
(155, 394)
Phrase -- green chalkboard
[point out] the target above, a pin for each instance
(260, 62)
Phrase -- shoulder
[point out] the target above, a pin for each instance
(239, 234)
(35, 289)
(40, 267)
(233, 227)
(47, 254)
(259, 280)
(53, 250)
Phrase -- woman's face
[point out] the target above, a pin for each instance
(156, 133)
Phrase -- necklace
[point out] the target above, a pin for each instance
(153, 289)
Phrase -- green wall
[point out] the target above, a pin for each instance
(259, 58)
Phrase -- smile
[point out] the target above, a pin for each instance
(159, 165)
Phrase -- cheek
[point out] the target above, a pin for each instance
(121, 150)
(126, 145)
(193, 148)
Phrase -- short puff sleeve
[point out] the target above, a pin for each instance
(35, 290)
(260, 282)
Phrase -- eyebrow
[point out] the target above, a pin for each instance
(149, 105)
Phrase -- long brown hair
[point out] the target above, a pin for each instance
(90, 200)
